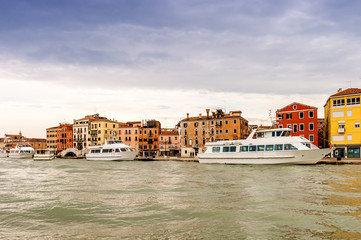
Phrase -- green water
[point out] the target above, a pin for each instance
(78, 199)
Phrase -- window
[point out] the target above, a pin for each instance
(244, 148)
(280, 116)
(278, 147)
(269, 147)
(203, 123)
(310, 114)
(225, 149)
(311, 126)
(338, 113)
(339, 102)
(289, 126)
(185, 125)
(252, 148)
(196, 124)
(226, 131)
(288, 115)
(196, 132)
(232, 149)
(234, 130)
(294, 107)
(349, 113)
(294, 128)
(357, 124)
(280, 126)
(302, 127)
(260, 148)
(235, 121)
(290, 147)
(349, 137)
(212, 123)
(353, 101)
(312, 138)
(216, 149)
(226, 122)
(301, 114)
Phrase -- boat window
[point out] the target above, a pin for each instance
(107, 150)
(232, 149)
(279, 133)
(252, 148)
(225, 149)
(123, 149)
(260, 148)
(290, 147)
(273, 134)
(117, 150)
(269, 147)
(244, 148)
(216, 149)
(307, 145)
(260, 134)
(278, 147)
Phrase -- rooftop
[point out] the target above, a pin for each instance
(348, 91)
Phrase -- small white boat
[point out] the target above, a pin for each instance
(113, 150)
(3, 153)
(44, 154)
(22, 150)
(272, 146)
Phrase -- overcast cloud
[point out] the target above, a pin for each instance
(164, 58)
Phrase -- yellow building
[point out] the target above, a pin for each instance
(101, 129)
(343, 116)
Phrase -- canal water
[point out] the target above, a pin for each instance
(78, 199)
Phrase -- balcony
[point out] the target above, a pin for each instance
(341, 130)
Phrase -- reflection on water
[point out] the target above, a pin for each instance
(67, 199)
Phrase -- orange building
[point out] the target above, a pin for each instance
(217, 126)
(142, 136)
(64, 137)
(169, 140)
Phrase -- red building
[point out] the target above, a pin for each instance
(64, 137)
(301, 118)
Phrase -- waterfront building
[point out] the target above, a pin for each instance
(64, 137)
(301, 118)
(169, 141)
(81, 131)
(2, 143)
(129, 133)
(102, 129)
(11, 140)
(142, 136)
(52, 137)
(321, 128)
(217, 126)
(343, 117)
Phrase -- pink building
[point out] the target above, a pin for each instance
(169, 141)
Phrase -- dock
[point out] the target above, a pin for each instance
(179, 159)
(341, 161)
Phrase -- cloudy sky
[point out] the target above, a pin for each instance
(160, 59)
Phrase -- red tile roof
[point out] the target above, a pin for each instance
(348, 91)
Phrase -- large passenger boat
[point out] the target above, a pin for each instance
(271, 146)
(22, 150)
(113, 150)
(44, 154)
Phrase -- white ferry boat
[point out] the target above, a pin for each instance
(44, 154)
(273, 146)
(3, 153)
(113, 150)
(22, 151)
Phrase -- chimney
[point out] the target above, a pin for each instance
(200, 115)
(207, 110)
(339, 90)
(187, 115)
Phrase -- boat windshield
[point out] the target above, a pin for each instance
(285, 133)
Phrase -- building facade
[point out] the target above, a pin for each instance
(52, 137)
(301, 118)
(11, 140)
(64, 137)
(169, 141)
(81, 131)
(102, 129)
(343, 117)
(142, 136)
(217, 126)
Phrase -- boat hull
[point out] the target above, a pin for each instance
(275, 157)
(21, 155)
(123, 156)
(43, 157)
